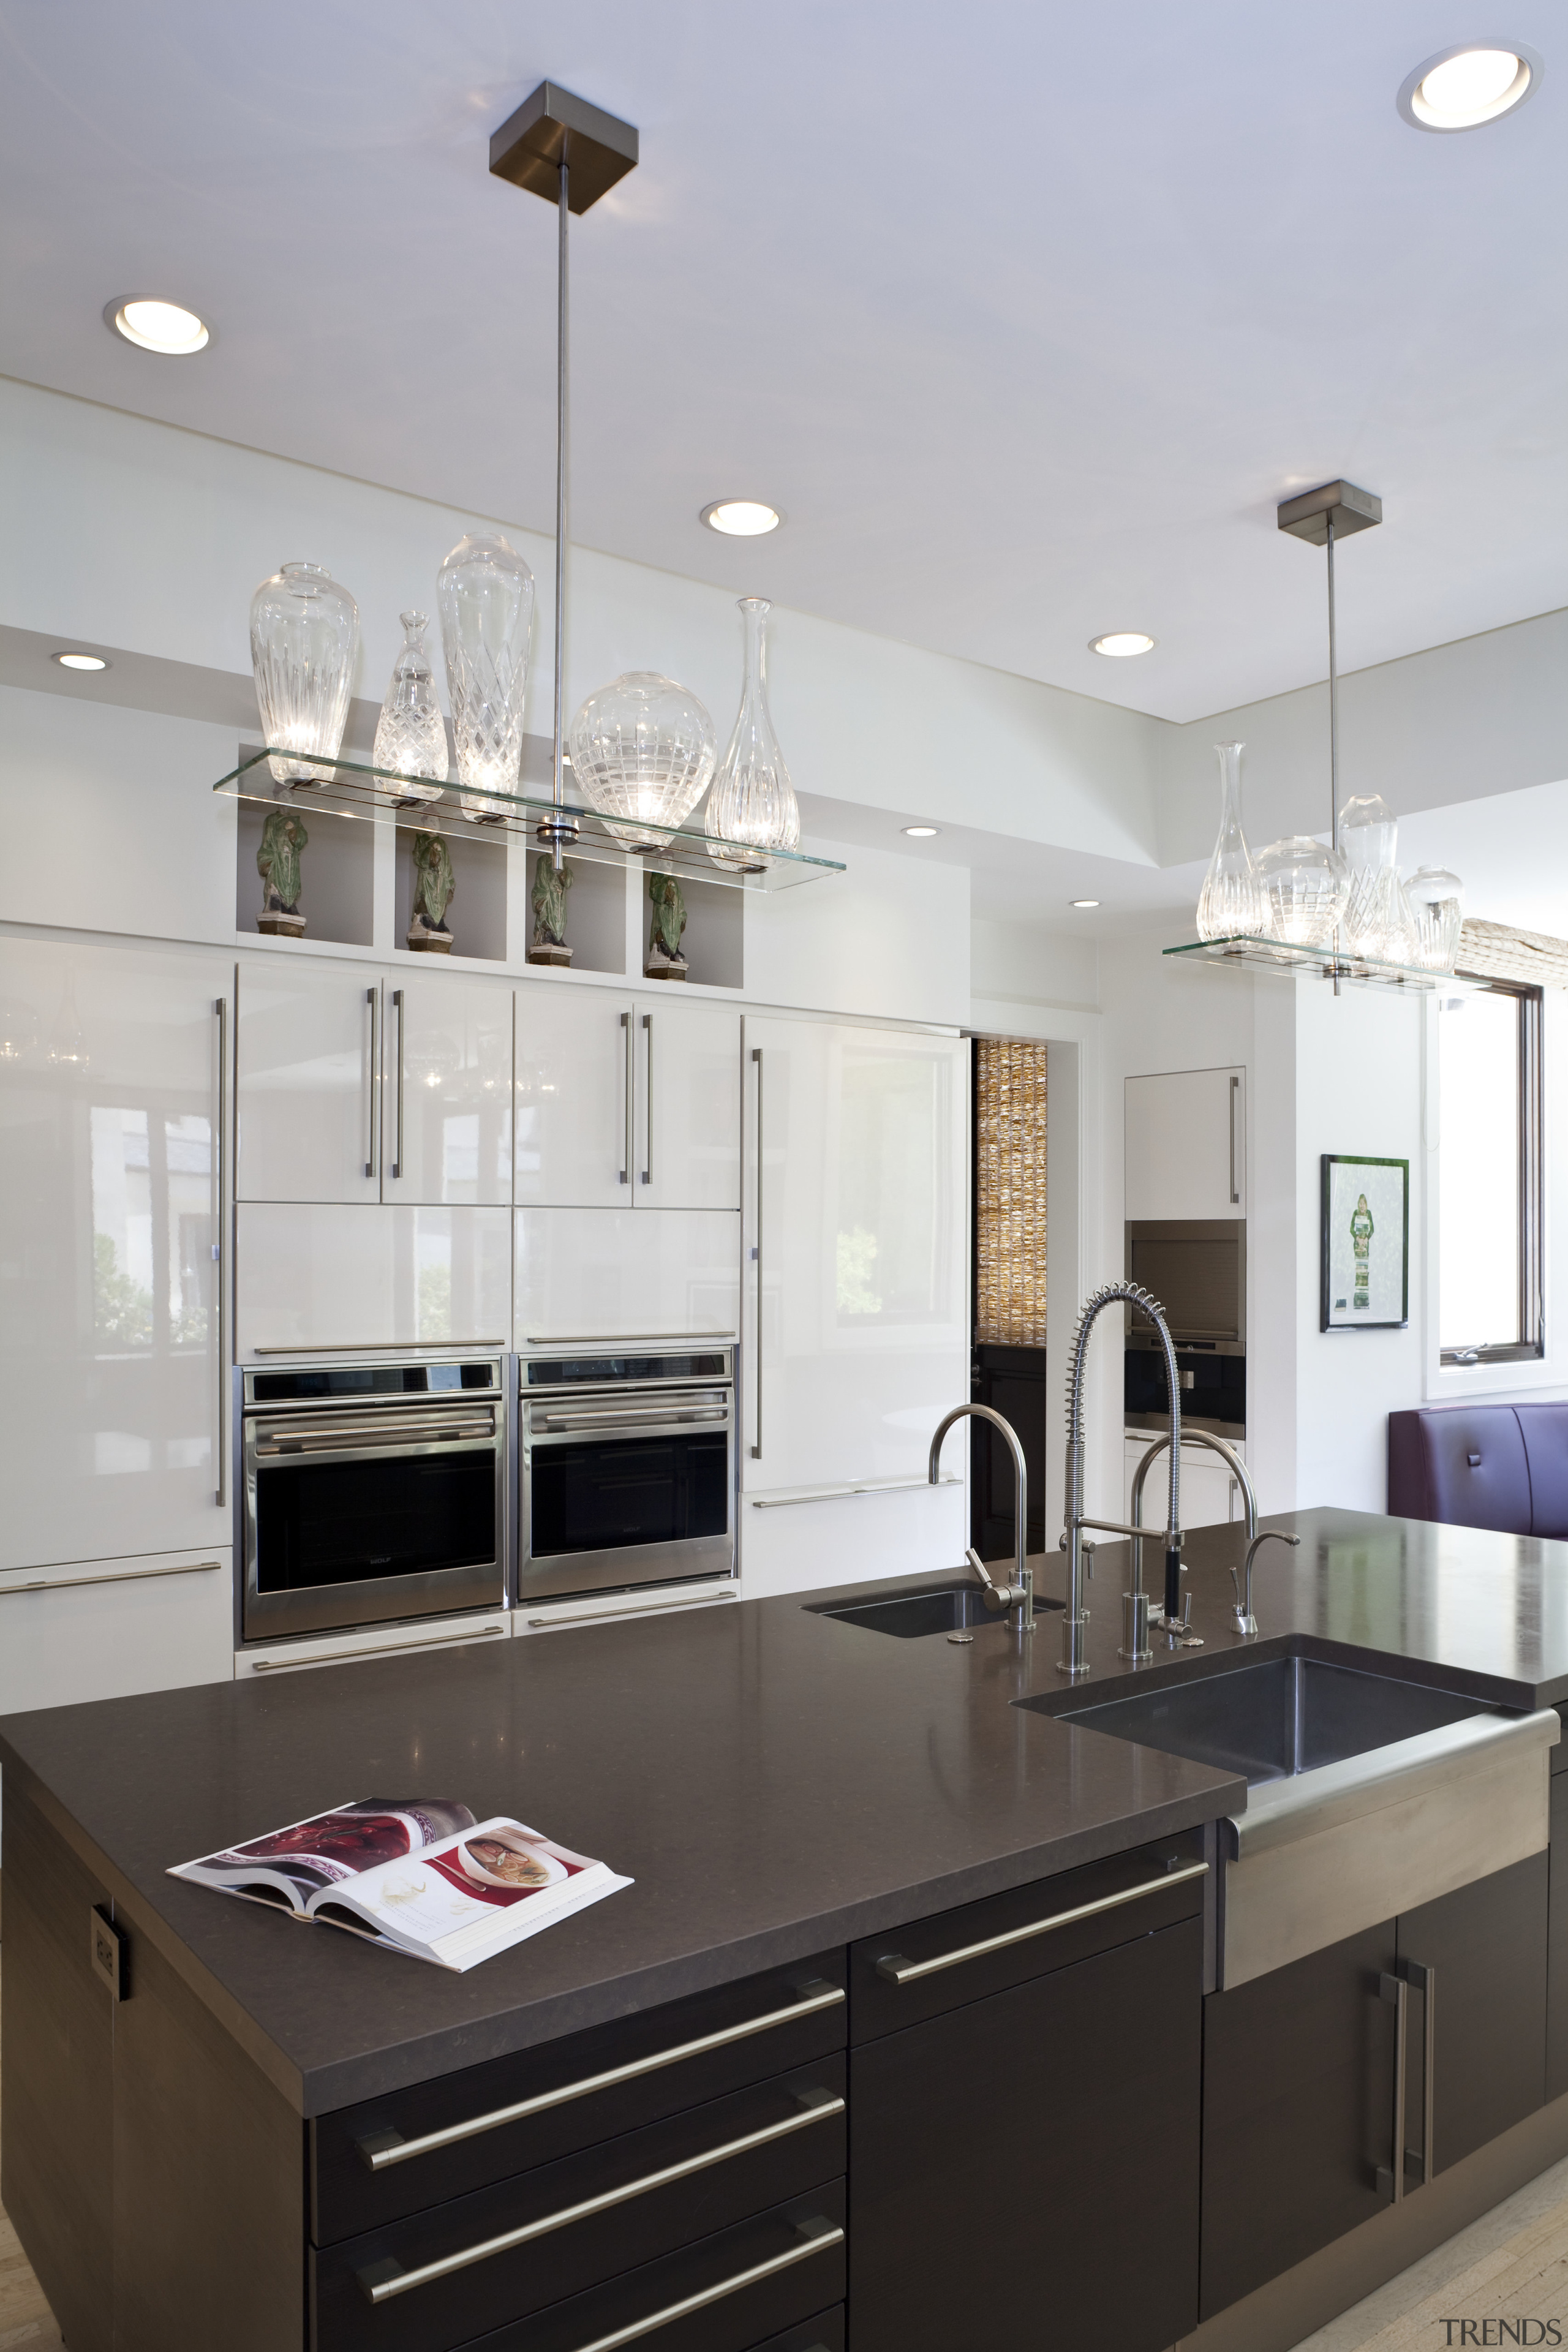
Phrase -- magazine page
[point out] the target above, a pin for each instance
(289, 1865)
(478, 1892)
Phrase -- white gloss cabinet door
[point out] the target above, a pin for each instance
(687, 1106)
(856, 1202)
(109, 1628)
(332, 1276)
(307, 1087)
(605, 1274)
(1187, 1145)
(110, 1405)
(576, 1075)
(446, 1092)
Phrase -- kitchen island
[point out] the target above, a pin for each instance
(820, 1823)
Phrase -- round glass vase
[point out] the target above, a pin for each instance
(1436, 902)
(752, 808)
(1303, 887)
(304, 634)
(484, 594)
(642, 751)
(410, 734)
(1230, 904)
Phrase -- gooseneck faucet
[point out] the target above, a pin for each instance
(1134, 1603)
(1020, 1593)
(1241, 1617)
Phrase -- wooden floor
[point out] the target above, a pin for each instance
(1512, 2264)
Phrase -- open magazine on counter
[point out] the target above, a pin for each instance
(421, 1876)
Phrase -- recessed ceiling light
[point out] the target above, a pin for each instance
(1460, 88)
(79, 661)
(921, 831)
(154, 325)
(1122, 641)
(1085, 902)
(741, 518)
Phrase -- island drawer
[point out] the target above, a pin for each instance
(936, 1964)
(504, 2254)
(385, 2157)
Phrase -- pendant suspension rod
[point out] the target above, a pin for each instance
(562, 394)
(1333, 728)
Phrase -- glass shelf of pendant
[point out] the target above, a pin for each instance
(1341, 914)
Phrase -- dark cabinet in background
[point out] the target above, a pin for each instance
(1557, 1932)
(1012, 1381)
(1483, 1952)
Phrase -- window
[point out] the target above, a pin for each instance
(1489, 1177)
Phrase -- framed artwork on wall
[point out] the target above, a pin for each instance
(1367, 1243)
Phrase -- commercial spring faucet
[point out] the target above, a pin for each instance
(1241, 1617)
(1020, 1593)
(1135, 1604)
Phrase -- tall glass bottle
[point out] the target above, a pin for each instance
(1230, 904)
(304, 634)
(752, 806)
(485, 595)
(1377, 920)
(410, 734)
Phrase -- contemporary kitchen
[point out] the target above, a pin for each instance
(785, 1126)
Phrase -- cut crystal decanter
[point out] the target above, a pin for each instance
(1435, 899)
(1376, 922)
(304, 634)
(1303, 886)
(410, 734)
(485, 597)
(753, 807)
(1230, 904)
(643, 749)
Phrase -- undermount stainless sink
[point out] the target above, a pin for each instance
(944, 1609)
(1277, 1718)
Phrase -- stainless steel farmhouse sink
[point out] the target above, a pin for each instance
(1367, 1793)
(940, 1609)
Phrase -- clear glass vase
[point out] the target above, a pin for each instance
(1436, 901)
(752, 806)
(1376, 922)
(485, 597)
(1303, 887)
(410, 734)
(643, 749)
(304, 634)
(1230, 904)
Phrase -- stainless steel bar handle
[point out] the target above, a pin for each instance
(1235, 1098)
(373, 1650)
(757, 1254)
(441, 1348)
(380, 2149)
(848, 1493)
(818, 2234)
(402, 1024)
(1425, 1979)
(615, 1616)
(1393, 1989)
(647, 1150)
(616, 1339)
(656, 1423)
(384, 1437)
(373, 1155)
(115, 1576)
(896, 1969)
(626, 1103)
(381, 2281)
(219, 1257)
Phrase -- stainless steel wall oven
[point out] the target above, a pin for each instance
(373, 1492)
(626, 1467)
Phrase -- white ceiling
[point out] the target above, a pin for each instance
(1025, 315)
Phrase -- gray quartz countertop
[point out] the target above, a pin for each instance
(775, 1782)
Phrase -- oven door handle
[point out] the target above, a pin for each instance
(383, 1436)
(587, 1423)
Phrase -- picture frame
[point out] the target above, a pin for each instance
(1365, 1244)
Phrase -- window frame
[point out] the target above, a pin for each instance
(1530, 1346)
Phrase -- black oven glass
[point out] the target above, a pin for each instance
(1218, 1391)
(321, 1523)
(605, 1494)
(562, 1371)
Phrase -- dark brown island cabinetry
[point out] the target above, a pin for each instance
(1444, 2008)
(1024, 2133)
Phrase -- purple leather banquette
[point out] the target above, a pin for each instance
(1481, 1465)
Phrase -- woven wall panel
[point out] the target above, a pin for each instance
(1496, 951)
(1010, 1193)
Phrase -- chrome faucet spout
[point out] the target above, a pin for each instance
(1241, 1616)
(1135, 1644)
(1020, 1593)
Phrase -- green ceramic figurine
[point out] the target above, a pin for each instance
(550, 885)
(283, 836)
(429, 933)
(664, 960)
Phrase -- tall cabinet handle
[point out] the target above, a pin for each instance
(220, 1259)
(626, 1177)
(397, 1142)
(757, 1254)
(1235, 1101)
(1393, 1989)
(1425, 1979)
(373, 1153)
(647, 1153)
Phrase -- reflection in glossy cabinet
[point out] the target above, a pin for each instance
(334, 1277)
(855, 1199)
(575, 1074)
(688, 1106)
(307, 1087)
(107, 1628)
(446, 1092)
(110, 1294)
